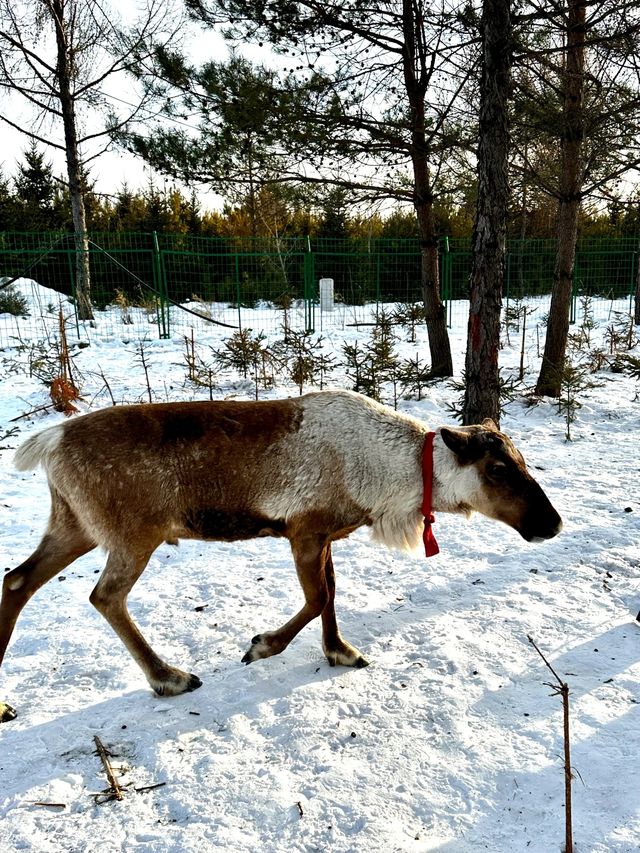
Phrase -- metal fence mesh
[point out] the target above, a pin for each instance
(167, 284)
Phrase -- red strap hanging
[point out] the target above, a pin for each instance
(430, 544)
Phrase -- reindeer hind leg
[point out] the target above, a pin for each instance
(63, 543)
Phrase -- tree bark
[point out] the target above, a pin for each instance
(571, 180)
(416, 84)
(74, 167)
(482, 377)
(636, 313)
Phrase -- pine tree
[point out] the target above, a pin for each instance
(35, 188)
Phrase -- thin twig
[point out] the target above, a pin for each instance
(107, 386)
(533, 643)
(32, 412)
(115, 789)
(562, 688)
(149, 787)
(50, 805)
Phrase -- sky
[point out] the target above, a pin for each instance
(115, 167)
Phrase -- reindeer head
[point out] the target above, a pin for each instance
(502, 486)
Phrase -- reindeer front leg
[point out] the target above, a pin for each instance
(312, 555)
(336, 649)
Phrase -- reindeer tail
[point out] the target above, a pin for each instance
(38, 448)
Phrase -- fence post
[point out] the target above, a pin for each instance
(73, 287)
(508, 280)
(161, 289)
(236, 267)
(574, 290)
(309, 289)
(633, 285)
(446, 280)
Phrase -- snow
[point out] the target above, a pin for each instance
(451, 741)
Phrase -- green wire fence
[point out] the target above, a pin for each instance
(148, 284)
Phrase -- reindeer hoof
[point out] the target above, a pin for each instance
(194, 683)
(179, 682)
(346, 655)
(7, 713)
(260, 648)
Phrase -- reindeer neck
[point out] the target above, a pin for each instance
(453, 484)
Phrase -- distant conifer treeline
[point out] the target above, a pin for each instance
(34, 199)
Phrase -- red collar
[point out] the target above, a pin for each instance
(430, 544)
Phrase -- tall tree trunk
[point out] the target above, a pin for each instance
(636, 312)
(571, 179)
(416, 83)
(435, 315)
(482, 389)
(74, 167)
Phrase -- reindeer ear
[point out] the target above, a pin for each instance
(487, 423)
(464, 444)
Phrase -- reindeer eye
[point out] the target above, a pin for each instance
(497, 470)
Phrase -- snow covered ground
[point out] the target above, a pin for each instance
(450, 741)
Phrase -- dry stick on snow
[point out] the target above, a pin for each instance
(50, 805)
(150, 787)
(115, 790)
(562, 689)
(32, 412)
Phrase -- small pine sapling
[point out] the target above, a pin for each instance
(285, 302)
(414, 376)
(241, 351)
(516, 319)
(382, 360)
(248, 354)
(300, 352)
(356, 358)
(621, 334)
(198, 371)
(141, 357)
(13, 302)
(580, 340)
(410, 315)
(326, 365)
(595, 360)
(512, 316)
(262, 369)
(573, 380)
(628, 364)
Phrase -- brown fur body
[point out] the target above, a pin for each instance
(312, 470)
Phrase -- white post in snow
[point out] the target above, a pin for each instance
(326, 294)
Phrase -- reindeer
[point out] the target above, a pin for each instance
(311, 469)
